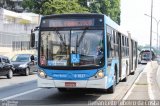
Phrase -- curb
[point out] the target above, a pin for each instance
(158, 73)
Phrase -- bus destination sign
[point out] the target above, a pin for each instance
(68, 22)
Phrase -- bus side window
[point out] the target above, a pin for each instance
(108, 46)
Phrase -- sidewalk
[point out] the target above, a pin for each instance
(146, 86)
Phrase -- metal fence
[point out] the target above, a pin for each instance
(15, 36)
(23, 45)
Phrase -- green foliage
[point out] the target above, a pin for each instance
(109, 7)
(95, 8)
(28, 4)
(45, 7)
(63, 6)
(83, 3)
(34, 5)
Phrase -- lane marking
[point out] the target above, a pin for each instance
(20, 94)
(146, 70)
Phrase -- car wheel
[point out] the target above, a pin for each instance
(27, 71)
(10, 74)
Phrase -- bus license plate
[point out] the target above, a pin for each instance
(70, 84)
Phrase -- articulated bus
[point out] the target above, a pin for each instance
(83, 51)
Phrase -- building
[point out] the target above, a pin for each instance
(15, 29)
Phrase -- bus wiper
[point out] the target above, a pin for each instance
(61, 38)
(81, 38)
(76, 43)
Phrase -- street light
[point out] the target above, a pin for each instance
(157, 21)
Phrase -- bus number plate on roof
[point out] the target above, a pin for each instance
(70, 84)
(71, 22)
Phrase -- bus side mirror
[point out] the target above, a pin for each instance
(32, 39)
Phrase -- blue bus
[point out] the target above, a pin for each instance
(83, 51)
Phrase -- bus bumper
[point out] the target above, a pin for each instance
(96, 83)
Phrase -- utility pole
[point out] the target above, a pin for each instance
(151, 30)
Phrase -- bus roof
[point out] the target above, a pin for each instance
(107, 19)
(77, 14)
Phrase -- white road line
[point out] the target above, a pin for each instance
(20, 94)
(146, 70)
(129, 92)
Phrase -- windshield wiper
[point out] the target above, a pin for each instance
(81, 38)
(61, 38)
(76, 43)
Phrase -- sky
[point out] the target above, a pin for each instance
(134, 20)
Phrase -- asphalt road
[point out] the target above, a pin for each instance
(28, 93)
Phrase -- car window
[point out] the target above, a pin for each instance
(20, 58)
(0, 60)
(7, 61)
(4, 60)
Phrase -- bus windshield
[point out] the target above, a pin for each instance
(72, 48)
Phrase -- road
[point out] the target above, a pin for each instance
(28, 93)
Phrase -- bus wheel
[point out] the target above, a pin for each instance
(132, 73)
(112, 88)
(62, 89)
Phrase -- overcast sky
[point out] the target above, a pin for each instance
(134, 20)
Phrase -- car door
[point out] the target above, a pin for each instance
(5, 63)
(1, 64)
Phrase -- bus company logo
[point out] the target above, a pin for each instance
(59, 75)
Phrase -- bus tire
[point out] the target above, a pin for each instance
(111, 89)
(132, 73)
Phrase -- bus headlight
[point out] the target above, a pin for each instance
(98, 75)
(41, 74)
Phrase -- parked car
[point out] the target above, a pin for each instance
(6, 68)
(24, 64)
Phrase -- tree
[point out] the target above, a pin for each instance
(63, 6)
(115, 10)
(95, 7)
(34, 5)
(45, 7)
(83, 3)
(109, 7)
